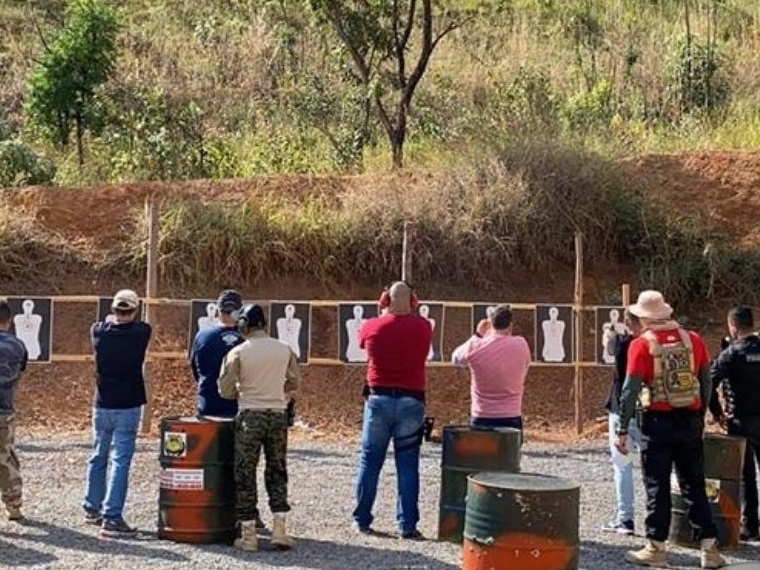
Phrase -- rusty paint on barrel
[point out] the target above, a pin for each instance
(467, 450)
(197, 490)
(521, 550)
(724, 460)
(526, 521)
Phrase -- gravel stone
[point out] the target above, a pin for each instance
(321, 486)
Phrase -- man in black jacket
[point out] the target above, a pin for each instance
(119, 349)
(737, 370)
(622, 464)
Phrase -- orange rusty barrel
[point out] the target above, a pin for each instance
(521, 520)
(724, 460)
(197, 499)
(467, 450)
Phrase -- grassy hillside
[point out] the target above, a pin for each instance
(236, 88)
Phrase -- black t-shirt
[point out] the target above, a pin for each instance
(622, 342)
(119, 357)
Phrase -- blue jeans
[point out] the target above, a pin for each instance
(114, 433)
(623, 467)
(400, 419)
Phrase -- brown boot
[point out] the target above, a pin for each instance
(14, 513)
(710, 557)
(280, 537)
(248, 539)
(653, 554)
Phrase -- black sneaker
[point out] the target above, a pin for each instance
(412, 535)
(93, 517)
(116, 529)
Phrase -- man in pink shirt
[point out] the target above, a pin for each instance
(498, 362)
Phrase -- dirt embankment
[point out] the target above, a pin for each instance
(722, 187)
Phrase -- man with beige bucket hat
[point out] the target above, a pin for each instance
(669, 373)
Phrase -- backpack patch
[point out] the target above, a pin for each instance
(675, 381)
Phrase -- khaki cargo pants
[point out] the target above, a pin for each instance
(10, 469)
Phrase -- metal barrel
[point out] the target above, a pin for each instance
(724, 460)
(521, 520)
(197, 498)
(467, 450)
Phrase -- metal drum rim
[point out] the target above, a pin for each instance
(522, 481)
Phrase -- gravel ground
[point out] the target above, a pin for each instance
(321, 476)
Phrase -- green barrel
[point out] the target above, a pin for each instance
(197, 491)
(724, 460)
(523, 521)
(467, 450)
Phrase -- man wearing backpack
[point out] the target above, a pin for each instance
(669, 373)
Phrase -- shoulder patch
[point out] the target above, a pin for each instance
(230, 338)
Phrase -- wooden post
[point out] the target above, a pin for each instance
(151, 293)
(578, 301)
(626, 294)
(406, 252)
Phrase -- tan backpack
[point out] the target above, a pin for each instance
(675, 381)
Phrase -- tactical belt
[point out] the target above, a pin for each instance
(397, 393)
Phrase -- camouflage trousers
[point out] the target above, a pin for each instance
(254, 430)
(10, 469)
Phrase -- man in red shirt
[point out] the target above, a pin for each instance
(397, 344)
(669, 372)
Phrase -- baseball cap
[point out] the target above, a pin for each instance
(126, 300)
(229, 301)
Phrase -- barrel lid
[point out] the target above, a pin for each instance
(712, 436)
(523, 481)
(468, 428)
(196, 419)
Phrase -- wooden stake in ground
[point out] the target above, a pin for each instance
(151, 292)
(626, 295)
(578, 301)
(406, 252)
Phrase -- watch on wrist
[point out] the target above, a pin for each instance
(622, 432)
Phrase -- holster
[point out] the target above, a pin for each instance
(290, 413)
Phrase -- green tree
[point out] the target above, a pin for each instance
(379, 36)
(61, 90)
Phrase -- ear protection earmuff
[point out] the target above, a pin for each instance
(385, 298)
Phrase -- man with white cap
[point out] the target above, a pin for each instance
(669, 373)
(120, 348)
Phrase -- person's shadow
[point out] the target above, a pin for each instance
(12, 555)
(324, 555)
(69, 539)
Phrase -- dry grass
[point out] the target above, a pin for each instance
(519, 209)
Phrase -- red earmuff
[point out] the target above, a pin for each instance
(385, 299)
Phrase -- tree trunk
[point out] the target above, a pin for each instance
(80, 134)
(399, 137)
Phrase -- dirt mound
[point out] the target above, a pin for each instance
(721, 187)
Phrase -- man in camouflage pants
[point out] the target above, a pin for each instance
(261, 373)
(13, 359)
